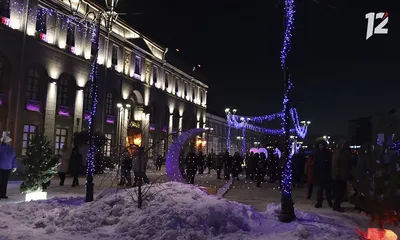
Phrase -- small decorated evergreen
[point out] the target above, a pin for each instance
(40, 164)
(377, 185)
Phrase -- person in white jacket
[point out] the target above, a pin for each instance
(63, 157)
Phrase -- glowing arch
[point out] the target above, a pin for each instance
(172, 161)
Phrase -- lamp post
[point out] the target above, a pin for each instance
(110, 17)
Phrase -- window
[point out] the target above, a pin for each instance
(71, 35)
(165, 118)
(152, 114)
(5, 9)
(193, 93)
(61, 138)
(107, 146)
(88, 98)
(150, 148)
(185, 90)
(114, 56)
(137, 65)
(109, 104)
(155, 75)
(32, 90)
(29, 131)
(41, 16)
(93, 48)
(166, 80)
(62, 91)
(176, 85)
(201, 97)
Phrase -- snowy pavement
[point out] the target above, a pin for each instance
(101, 182)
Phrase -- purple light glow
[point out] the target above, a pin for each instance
(164, 129)
(110, 119)
(1, 99)
(152, 127)
(86, 115)
(33, 106)
(172, 160)
(63, 111)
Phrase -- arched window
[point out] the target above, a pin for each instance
(176, 85)
(166, 80)
(88, 98)
(62, 91)
(32, 89)
(109, 104)
(152, 114)
(155, 75)
(165, 118)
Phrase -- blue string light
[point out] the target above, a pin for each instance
(93, 90)
(286, 184)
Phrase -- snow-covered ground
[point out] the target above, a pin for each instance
(172, 211)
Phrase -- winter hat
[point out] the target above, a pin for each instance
(6, 139)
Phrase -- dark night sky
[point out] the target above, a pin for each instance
(338, 75)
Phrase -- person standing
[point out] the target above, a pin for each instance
(8, 164)
(227, 165)
(219, 165)
(310, 176)
(237, 165)
(126, 169)
(322, 172)
(158, 163)
(261, 168)
(76, 165)
(209, 162)
(191, 167)
(63, 157)
(340, 173)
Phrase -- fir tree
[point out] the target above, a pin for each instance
(40, 164)
(377, 185)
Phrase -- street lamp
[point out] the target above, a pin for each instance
(227, 110)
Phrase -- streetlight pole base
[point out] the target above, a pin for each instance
(89, 189)
(287, 210)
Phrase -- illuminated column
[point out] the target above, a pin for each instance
(180, 125)
(145, 130)
(78, 110)
(124, 126)
(50, 111)
(170, 122)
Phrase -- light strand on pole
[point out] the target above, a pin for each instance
(93, 94)
(286, 184)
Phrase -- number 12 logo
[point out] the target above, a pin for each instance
(380, 29)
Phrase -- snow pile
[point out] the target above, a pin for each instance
(172, 211)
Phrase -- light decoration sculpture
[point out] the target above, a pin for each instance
(172, 160)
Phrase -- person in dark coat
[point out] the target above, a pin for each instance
(76, 165)
(273, 165)
(200, 162)
(219, 163)
(8, 164)
(191, 167)
(261, 167)
(321, 170)
(227, 159)
(299, 162)
(126, 168)
(341, 163)
(249, 165)
(159, 163)
(310, 176)
(209, 162)
(237, 165)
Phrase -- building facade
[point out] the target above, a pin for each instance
(45, 63)
(216, 139)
